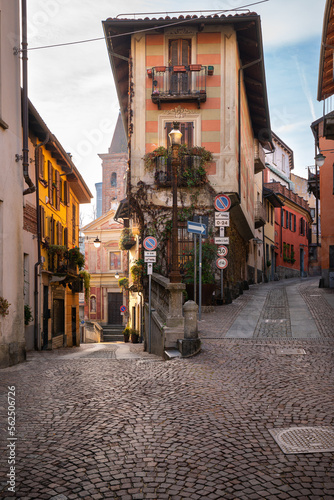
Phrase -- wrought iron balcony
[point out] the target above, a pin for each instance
(313, 182)
(190, 172)
(178, 83)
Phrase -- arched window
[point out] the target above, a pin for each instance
(114, 179)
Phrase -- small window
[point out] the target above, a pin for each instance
(113, 180)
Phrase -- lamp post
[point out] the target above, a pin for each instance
(175, 137)
(319, 161)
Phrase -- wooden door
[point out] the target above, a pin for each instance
(115, 300)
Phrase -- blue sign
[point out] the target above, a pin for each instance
(196, 227)
(222, 202)
(150, 243)
(123, 309)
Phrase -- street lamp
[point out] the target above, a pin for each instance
(97, 242)
(175, 136)
(116, 275)
(319, 161)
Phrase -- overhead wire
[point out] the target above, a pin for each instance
(181, 21)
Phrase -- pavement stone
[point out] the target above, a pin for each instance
(108, 421)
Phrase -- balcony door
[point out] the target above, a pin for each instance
(179, 55)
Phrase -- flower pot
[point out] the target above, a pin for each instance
(134, 339)
(149, 73)
(127, 244)
(195, 67)
(179, 69)
(126, 337)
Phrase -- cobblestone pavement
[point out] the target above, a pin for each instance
(108, 421)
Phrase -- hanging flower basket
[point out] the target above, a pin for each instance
(127, 239)
(195, 67)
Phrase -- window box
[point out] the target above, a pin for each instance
(179, 69)
(195, 67)
(210, 70)
(160, 69)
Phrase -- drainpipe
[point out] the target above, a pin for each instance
(239, 120)
(25, 120)
(37, 338)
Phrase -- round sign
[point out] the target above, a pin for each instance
(222, 202)
(221, 263)
(150, 243)
(123, 309)
(222, 251)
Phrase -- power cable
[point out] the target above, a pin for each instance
(182, 21)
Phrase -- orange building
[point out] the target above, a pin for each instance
(323, 129)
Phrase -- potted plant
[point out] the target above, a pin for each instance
(134, 336)
(208, 278)
(76, 258)
(123, 283)
(126, 334)
(127, 239)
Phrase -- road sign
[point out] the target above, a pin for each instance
(221, 232)
(196, 227)
(222, 215)
(222, 241)
(150, 259)
(222, 202)
(149, 268)
(150, 254)
(203, 219)
(150, 243)
(222, 251)
(123, 309)
(222, 223)
(222, 263)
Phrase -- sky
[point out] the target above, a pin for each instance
(73, 89)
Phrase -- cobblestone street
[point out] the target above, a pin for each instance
(110, 421)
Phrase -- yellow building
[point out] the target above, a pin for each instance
(51, 216)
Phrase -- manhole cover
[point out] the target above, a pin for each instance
(288, 351)
(304, 439)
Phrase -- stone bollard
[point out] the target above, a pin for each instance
(190, 309)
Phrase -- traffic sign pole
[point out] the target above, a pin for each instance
(221, 283)
(195, 267)
(149, 311)
(200, 276)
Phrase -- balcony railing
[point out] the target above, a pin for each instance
(61, 265)
(190, 173)
(314, 183)
(178, 83)
(259, 157)
(260, 214)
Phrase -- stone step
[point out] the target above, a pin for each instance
(113, 338)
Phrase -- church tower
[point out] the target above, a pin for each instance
(114, 165)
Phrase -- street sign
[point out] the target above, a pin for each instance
(222, 251)
(222, 263)
(221, 232)
(123, 309)
(222, 215)
(196, 227)
(222, 241)
(203, 219)
(150, 243)
(222, 223)
(149, 268)
(150, 259)
(150, 254)
(222, 202)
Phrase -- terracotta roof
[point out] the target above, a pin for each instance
(325, 81)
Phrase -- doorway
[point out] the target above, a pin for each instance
(74, 326)
(45, 316)
(115, 300)
(302, 262)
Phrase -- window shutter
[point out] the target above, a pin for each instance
(42, 221)
(66, 237)
(282, 217)
(50, 181)
(294, 223)
(57, 190)
(67, 193)
(52, 233)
